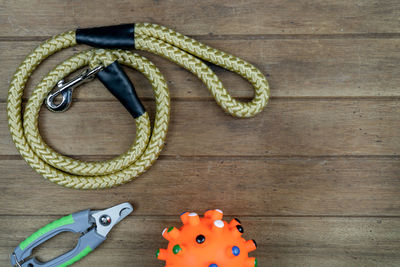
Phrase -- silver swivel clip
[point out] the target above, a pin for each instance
(66, 88)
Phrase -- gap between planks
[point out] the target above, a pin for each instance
(233, 157)
(211, 99)
(245, 217)
(245, 37)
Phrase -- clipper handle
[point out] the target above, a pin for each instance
(86, 244)
(77, 222)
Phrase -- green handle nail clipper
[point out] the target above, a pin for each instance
(93, 225)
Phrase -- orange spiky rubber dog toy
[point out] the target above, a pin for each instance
(207, 242)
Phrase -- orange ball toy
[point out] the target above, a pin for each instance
(207, 242)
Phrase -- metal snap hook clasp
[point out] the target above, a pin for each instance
(65, 89)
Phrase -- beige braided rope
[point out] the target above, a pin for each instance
(148, 143)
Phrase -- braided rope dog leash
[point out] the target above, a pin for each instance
(182, 50)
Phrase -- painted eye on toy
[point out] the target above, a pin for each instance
(200, 239)
(240, 229)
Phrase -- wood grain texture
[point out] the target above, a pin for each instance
(314, 178)
(204, 17)
(305, 68)
(239, 186)
(282, 241)
(201, 128)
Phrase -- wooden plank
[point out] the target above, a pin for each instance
(327, 67)
(200, 128)
(244, 187)
(33, 18)
(281, 241)
(314, 178)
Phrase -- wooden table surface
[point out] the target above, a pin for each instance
(314, 178)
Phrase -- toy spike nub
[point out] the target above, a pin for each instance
(251, 262)
(217, 226)
(171, 233)
(166, 235)
(208, 241)
(193, 219)
(214, 214)
(250, 245)
(185, 217)
(234, 222)
(162, 254)
(237, 230)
